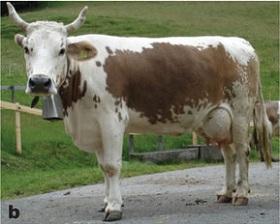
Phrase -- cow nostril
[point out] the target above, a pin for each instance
(47, 83)
(31, 83)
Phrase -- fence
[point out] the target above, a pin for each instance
(18, 109)
(160, 143)
(12, 89)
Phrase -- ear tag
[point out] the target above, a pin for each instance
(83, 55)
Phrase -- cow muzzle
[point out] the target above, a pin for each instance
(40, 85)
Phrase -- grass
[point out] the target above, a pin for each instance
(40, 181)
(256, 21)
(50, 161)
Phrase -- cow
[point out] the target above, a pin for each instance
(112, 85)
(273, 115)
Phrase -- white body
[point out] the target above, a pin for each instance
(83, 120)
(93, 129)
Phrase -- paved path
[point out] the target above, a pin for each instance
(185, 196)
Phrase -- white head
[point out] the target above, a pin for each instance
(45, 48)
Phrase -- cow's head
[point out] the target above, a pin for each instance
(46, 51)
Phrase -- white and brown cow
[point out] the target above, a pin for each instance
(273, 115)
(112, 85)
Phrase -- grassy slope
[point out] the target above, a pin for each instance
(50, 152)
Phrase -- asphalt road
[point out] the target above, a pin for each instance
(185, 196)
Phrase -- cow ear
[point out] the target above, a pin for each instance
(81, 51)
(19, 39)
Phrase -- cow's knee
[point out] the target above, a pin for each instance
(110, 169)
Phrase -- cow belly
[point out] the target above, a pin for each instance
(183, 123)
(213, 123)
(140, 124)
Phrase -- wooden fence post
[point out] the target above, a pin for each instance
(18, 131)
(194, 138)
(130, 145)
(160, 143)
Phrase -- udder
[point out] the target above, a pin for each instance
(217, 126)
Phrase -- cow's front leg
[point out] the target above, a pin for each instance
(226, 194)
(112, 132)
(100, 156)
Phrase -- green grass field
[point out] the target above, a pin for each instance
(50, 161)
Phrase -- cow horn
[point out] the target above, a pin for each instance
(77, 22)
(14, 16)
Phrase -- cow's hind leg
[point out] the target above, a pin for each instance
(241, 142)
(226, 194)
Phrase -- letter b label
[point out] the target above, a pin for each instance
(13, 212)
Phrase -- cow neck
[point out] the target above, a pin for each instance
(72, 89)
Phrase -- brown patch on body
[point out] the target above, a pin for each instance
(165, 78)
(120, 116)
(118, 102)
(72, 90)
(109, 50)
(98, 63)
(96, 100)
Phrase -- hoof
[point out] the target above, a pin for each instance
(113, 216)
(103, 209)
(224, 199)
(240, 201)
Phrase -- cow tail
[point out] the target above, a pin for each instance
(262, 135)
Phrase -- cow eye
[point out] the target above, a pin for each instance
(26, 51)
(62, 51)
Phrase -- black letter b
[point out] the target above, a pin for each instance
(13, 212)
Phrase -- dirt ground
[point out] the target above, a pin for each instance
(185, 196)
